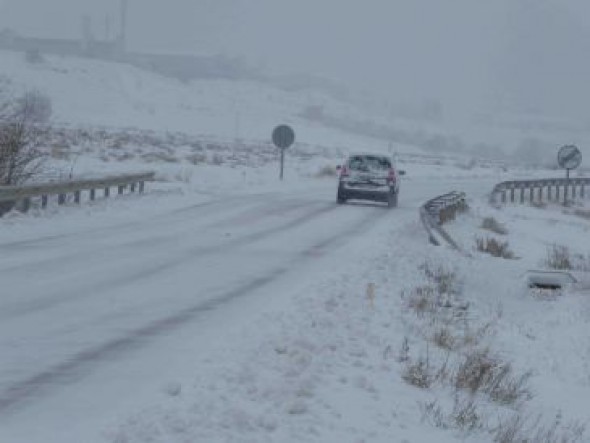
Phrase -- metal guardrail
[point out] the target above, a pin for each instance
(551, 189)
(22, 195)
(437, 211)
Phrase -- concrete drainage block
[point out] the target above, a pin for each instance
(549, 280)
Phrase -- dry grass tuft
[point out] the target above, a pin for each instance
(494, 247)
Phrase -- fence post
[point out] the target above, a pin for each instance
(133, 187)
(522, 194)
(141, 187)
(44, 200)
(107, 191)
(532, 194)
(77, 197)
(92, 194)
(541, 194)
(512, 191)
(61, 199)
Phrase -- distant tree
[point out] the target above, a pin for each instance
(24, 125)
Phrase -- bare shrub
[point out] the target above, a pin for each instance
(444, 339)
(482, 372)
(23, 130)
(418, 373)
(445, 280)
(494, 247)
(520, 429)
(434, 414)
(559, 258)
(196, 158)
(217, 160)
(465, 415)
(493, 225)
(422, 300)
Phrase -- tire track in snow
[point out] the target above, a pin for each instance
(154, 269)
(78, 365)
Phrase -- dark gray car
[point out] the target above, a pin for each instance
(369, 177)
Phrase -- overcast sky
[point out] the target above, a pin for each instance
(535, 53)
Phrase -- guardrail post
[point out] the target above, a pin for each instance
(107, 191)
(574, 190)
(522, 194)
(512, 192)
(532, 194)
(77, 197)
(61, 199)
(141, 187)
(132, 187)
(540, 194)
(92, 194)
(121, 189)
(549, 193)
(44, 201)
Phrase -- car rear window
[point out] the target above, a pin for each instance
(368, 163)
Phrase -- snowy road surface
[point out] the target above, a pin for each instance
(95, 313)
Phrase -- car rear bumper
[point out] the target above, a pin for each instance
(378, 193)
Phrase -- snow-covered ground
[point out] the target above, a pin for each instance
(225, 305)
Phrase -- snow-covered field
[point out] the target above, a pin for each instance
(226, 306)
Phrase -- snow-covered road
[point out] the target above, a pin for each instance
(95, 314)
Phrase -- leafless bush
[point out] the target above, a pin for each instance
(445, 280)
(217, 160)
(444, 339)
(23, 129)
(520, 429)
(493, 225)
(482, 372)
(418, 373)
(494, 247)
(464, 415)
(434, 414)
(559, 258)
(196, 158)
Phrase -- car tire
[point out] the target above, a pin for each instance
(340, 197)
(392, 200)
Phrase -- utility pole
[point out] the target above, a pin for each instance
(123, 31)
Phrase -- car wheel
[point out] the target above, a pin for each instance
(392, 200)
(340, 197)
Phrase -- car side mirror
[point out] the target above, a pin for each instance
(401, 172)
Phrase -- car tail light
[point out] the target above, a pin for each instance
(344, 172)
(391, 175)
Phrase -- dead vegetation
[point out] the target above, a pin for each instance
(494, 247)
(458, 358)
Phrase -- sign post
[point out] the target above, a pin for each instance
(569, 157)
(283, 137)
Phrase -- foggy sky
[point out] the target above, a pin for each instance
(524, 53)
